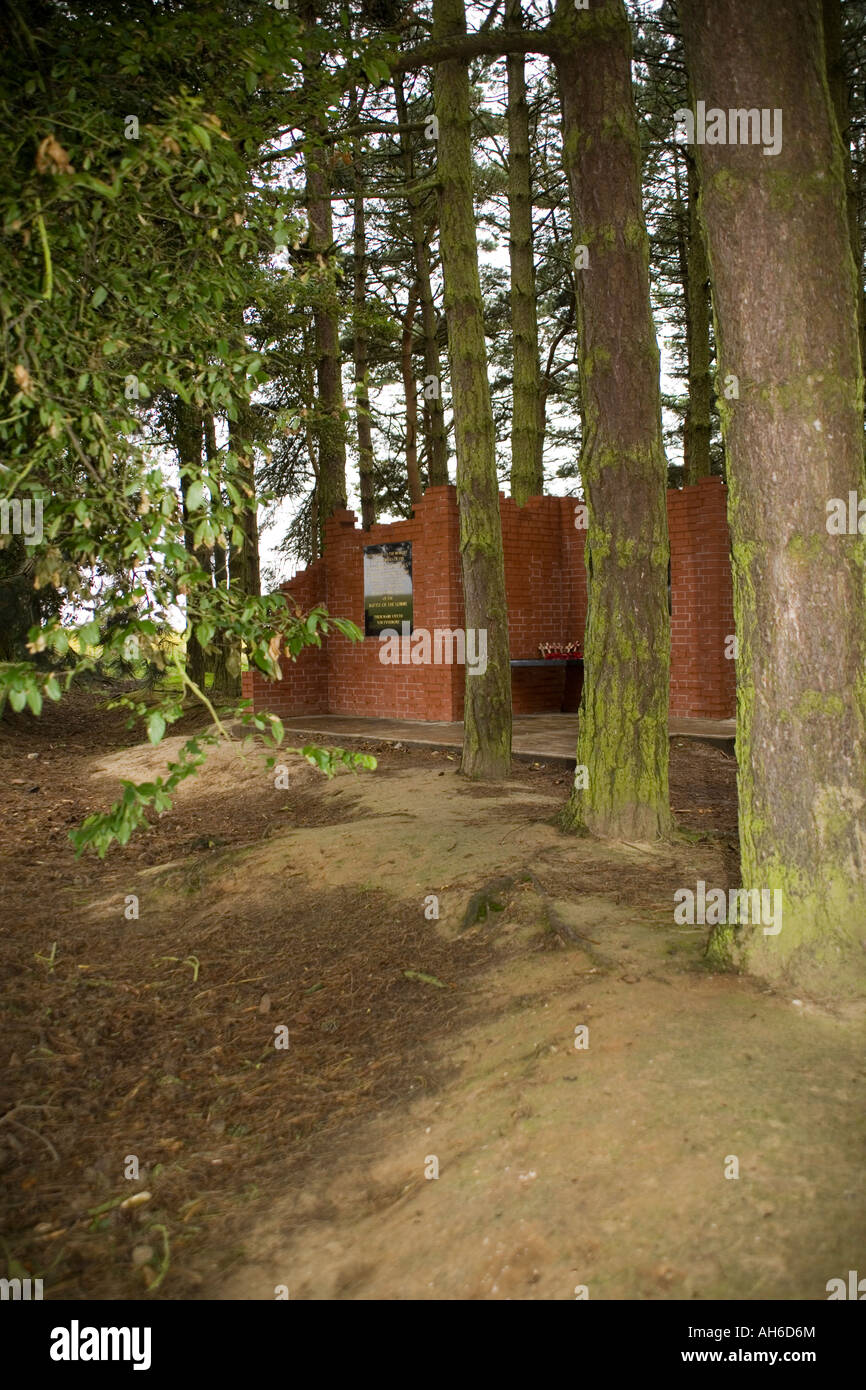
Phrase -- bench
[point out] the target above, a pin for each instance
(573, 678)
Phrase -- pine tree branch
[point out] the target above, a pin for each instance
(494, 43)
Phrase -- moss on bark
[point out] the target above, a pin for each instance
(434, 415)
(786, 302)
(487, 714)
(696, 431)
(623, 730)
(330, 414)
(527, 475)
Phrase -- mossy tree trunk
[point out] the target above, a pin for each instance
(241, 442)
(363, 423)
(188, 443)
(330, 406)
(227, 659)
(785, 298)
(410, 392)
(623, 728)
(837, 78)
(487, 717)
(311, 445)
(527, 480)
(434, 415)
(226, 675)
(696, 429)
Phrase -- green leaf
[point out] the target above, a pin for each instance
(203, 534)
(96, 185)
(18, 699)
(424, 979)
(100, 294)
(195, 497)
(377, 70)
(34, 700)
(155, 726)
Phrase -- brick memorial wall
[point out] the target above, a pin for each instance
(703, 679)
(545, 581)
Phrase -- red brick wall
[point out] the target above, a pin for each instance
(349, 677)
(703, 680)
(545, 582)
(304, 687)
(359, 681)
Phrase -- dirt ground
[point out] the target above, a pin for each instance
(140, 1061)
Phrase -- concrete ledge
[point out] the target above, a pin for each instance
(550, 738)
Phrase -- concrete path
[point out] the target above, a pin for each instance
(548, 737)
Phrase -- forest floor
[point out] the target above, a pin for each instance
(149, 1043)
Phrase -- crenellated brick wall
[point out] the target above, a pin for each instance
(545, 582)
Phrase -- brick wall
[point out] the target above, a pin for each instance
(304, 687)
(359, 683)
(545, 582)
(703, 680)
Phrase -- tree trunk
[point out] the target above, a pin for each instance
(188, 437)
(410, 391)
(311, 447)
(330, 407)
(437, 439)
(837, 78)
(526, 480)
(546, 383)
(696, 429)
(366, 462)
(226, 662)
(785, 296)
(224, 683)
(541, 427)
(248, 576)
(19, 603)
(623, 729)
(487, 716)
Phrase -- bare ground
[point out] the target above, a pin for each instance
(309, 1169)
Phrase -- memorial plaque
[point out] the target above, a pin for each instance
(387, 588)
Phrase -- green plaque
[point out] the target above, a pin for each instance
(388, 588)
